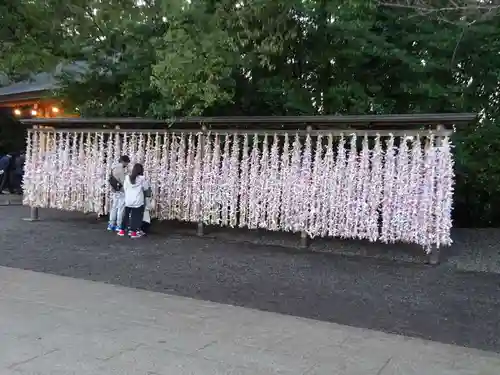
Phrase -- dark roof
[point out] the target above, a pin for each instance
(39, 82)
(42, 82)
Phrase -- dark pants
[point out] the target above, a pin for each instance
(4, 181)
(16, 180)
(133, 215)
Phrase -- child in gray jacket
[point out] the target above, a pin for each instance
(116, 180)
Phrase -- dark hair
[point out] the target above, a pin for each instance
(137, 170)
(124, 159)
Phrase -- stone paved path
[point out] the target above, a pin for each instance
(7, 199)
(54, 325)
(436, 303)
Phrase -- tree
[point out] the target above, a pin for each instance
(258, 57)
(27, 38)
(118, 47)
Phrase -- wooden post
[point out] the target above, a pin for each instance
(304, 238)
(34, 216)
(434, 257)
(200, 228)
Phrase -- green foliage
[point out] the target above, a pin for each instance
(261, 57)
(194, 66)
(477, 195)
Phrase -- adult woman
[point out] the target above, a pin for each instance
(136, 190)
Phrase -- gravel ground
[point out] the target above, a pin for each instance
(439, 303)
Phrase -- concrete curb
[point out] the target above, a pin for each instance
(9, 203)
(11, 200)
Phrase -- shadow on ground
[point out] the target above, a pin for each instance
(438, 303)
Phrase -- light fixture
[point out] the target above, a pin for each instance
(33, 112)
(55, 110)
(17, 112)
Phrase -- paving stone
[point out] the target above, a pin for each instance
(48, 335)
(252, 357)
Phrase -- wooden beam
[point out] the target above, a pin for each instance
(259, 132)
(369, 122)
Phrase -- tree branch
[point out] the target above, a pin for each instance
(473, 10)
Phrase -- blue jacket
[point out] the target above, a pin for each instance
(5, 163)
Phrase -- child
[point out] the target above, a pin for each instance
(116, 180)
(136, 190)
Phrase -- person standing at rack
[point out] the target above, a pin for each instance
(18, 173)
(5, 168)
(137, 189)
(117, 180)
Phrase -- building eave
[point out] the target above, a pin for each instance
(32, 96)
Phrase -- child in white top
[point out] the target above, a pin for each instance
(136, 190)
